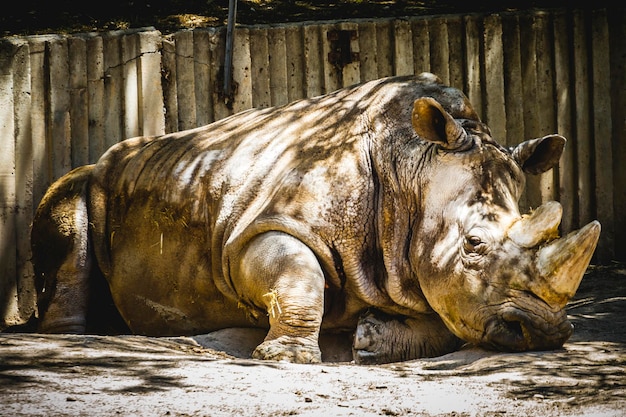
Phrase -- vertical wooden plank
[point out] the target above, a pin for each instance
(617, 33)
(60, 126)
(202, 75)
(473, 84)
(185, 79)
(278, 66)
(8, 198)
(582, 119)
(151, 89)
(313, 61)
(513, 93)
(564, 98)
(333, 78)
(439, 48)
(79, 101)
(495, 114)
(95, 93)
(24, 207)
(260, 67)
(42, 165)
(218, 46)
(351, 73)
(602, 134)
(170, 87)
(403, 48)
(421, 45)
(131, 117)
(295, 62)
(241, 70)
(545, 108)
(456, 62)
(384, 48)
(528, 39)
(113, 89)
(368, 51)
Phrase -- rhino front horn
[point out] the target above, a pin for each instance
(562, 263)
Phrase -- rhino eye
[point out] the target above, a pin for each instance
(473, 243)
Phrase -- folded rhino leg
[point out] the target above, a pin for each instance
(381, 338)
(61, 255)
(282, 275)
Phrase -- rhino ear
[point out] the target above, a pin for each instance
(432, 123)
(536, 156)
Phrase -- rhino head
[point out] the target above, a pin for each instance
(496, 278)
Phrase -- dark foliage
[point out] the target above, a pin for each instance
(67, 16)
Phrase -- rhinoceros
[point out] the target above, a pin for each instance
(384, 209)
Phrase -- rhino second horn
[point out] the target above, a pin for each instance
(562, 264)
(538, 227)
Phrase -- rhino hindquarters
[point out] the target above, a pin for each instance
(61, 254)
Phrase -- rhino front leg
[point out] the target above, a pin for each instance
(381, 338)
(282, 275)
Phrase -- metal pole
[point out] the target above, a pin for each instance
(228, 59)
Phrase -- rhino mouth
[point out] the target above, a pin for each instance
(514, 329)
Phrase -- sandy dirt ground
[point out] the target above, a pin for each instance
(212, 375)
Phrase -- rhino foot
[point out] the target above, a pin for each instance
(381, 338)
(289, 349)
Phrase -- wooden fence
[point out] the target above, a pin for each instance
(66, 99)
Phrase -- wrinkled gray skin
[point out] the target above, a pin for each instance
(385, 209)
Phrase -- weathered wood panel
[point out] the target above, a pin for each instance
(42, 153)
(368, 51)
(169, 85)
(185, 80)
(24, 173)
(277, 51)
(79, 101)
(564, 109)
(582, 140)
(351, 72)
(403, 47)
(59, 127)
(456, 55)
(473, 83)
(202, 76)
(151, 93)
(384, 49)
(218, 45)
(95, 92)
(113, 89)
(513, 94)
(260, 68)
(241, 71)
(8, 192)
(617, 45)
(495, 113)
(602, 134)
(132, 118)
(439, 48)
(421, 45)
(294, 44)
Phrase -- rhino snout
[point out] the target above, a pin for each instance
(517, 330)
